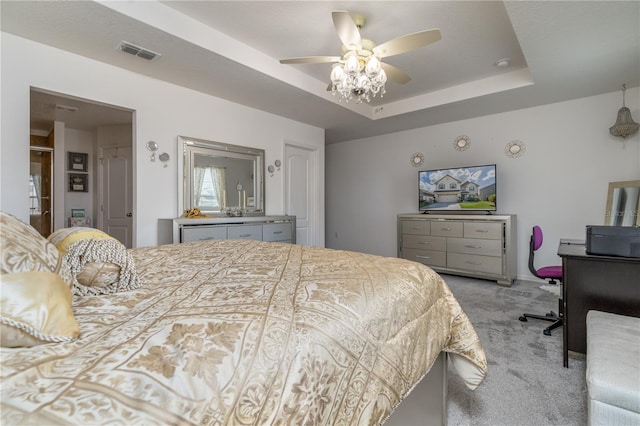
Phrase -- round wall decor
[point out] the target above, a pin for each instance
(514, 149)
(462, 143)
(417, 159)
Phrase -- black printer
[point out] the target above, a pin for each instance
(613, 240)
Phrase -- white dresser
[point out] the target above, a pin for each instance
(482, 246)
(263, 228)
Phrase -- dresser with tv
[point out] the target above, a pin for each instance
(481, 246)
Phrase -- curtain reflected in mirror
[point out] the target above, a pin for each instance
(623, 202)
(209, 188)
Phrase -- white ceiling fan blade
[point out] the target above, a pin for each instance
(407, 42)
(310, 60)
(395, 74)
(347, 30)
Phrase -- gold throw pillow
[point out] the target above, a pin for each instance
(35, 309)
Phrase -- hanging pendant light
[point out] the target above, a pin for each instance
(625, 126)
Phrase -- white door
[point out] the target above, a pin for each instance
(116, 193)
(299, 192)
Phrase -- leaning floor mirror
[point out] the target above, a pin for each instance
(623, 201)
(219, 178)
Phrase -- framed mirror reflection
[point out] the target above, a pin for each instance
(623, 202)
(219, 178)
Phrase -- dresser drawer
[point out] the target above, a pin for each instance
(491, 231)
(474, 246)
(276, 232)
(244, 232)
(203, 233)
(416, 227)
(446, 228)
(475, 263)
(428, 257)
(425, 242)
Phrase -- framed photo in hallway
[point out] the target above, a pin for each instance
(78, 162)
(78, 182)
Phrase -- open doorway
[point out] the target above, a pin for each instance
(77, 129)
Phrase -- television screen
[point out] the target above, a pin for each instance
(461, 188)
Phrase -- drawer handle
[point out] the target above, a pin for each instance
(245, 235)
(419, 256)
(482, 230)
(424, 243)
(416, 227)
(277, 232)
(473, 263)
(472, 246)
(445, 229)
(207, 238)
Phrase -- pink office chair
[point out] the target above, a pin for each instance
(551, 273)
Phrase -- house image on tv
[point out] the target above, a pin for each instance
(451, 190)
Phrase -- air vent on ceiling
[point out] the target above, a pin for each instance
(138, 51)
(66, 108)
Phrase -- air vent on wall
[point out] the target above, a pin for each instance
(138, 51)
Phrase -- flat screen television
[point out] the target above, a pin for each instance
(457, 189)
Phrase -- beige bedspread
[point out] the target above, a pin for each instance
(245, 332)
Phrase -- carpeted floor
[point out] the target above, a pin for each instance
(526, 384)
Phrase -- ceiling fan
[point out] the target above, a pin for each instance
(359, 71)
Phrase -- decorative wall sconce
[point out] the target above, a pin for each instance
(272, 167)
(153, 147)
(164, 157)
(625, 126)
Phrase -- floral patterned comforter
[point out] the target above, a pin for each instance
(244, 332)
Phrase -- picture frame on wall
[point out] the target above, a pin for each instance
(78, 182)
(78, 162)
(77, 212)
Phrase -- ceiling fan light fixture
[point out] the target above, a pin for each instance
(337, 74)
(373, 66)
(359, 73)
(354, 81)
(352, 65)
(625, 126)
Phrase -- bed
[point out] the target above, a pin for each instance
(243, 332)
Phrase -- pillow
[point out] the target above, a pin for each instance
(22, 248)
(35, 309)
(99, 263)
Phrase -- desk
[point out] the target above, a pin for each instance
(605, 283)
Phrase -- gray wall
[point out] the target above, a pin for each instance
(559, 183)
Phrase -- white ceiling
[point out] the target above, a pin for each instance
(230, 49)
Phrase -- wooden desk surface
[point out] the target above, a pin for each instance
(603, 283)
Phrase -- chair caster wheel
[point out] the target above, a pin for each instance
(524, 319)
(546, 332)
(550, 315)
